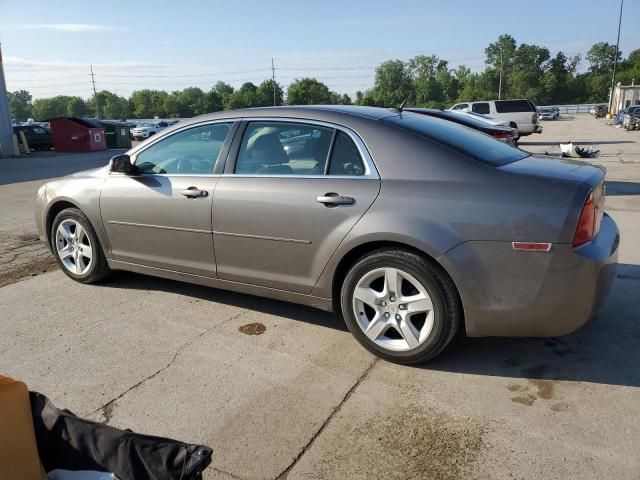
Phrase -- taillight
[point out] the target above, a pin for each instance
(502, 136)
(534, 118)
(586, 228)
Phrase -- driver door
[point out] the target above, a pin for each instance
(160, 217)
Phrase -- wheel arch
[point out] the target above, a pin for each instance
(359, 251)
(53, 210)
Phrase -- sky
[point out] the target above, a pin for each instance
(48, 46)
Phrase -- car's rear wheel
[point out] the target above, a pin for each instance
(400, 306)
(77, 248)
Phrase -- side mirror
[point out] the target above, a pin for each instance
(122, 164)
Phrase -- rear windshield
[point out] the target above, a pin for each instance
(512, 106)
(470, 142)
(468, 118)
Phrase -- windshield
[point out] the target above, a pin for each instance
(465, 140)
(142, 125)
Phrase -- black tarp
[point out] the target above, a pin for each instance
(68, 442)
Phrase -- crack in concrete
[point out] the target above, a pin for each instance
(285, 473)
(224, 472)
(107, 409)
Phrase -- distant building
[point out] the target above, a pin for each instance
(624, 96)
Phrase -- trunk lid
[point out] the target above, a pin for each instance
(557, 168)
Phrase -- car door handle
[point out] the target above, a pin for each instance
(332, 199)
(194, 192)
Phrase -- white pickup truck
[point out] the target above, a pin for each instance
(523, 113)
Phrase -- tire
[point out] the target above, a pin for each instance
(72, 239)
(432, 328)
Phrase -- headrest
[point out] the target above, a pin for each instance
(267, 150)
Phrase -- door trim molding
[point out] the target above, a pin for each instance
(325, 304)
(262, 237)
(161, 227)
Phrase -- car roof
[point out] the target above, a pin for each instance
(318, 111)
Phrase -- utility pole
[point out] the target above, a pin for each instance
(500, 84)
(615, 62)
(6, 129)
(273, 81)
(95, 97)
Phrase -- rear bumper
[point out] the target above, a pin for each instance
(534, 294)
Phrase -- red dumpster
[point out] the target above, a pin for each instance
(73, 134)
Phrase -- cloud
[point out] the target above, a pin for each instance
(70, 27)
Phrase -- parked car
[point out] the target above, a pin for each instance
(630, 116)
(408, 226)
(599, 111)
(498, 129)
(619, 118)
(547, 113)
(147, 129)
(38, 137)
(523, 112)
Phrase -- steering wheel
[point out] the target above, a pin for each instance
(192, 163)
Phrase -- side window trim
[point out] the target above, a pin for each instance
(330, 152)
(222, 156)
(371, 171)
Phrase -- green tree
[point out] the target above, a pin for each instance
(308, 91)
(148, 103)
(110, 105)
(345, 99)
(77, 107)
(392, 85)
(601, 57)
(45, 108)
(20, 104)
(224, 91)
(213, 102)
(265, 93)
(501, 53)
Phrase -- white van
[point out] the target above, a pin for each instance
(523, 113)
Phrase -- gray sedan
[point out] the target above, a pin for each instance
(409, 227)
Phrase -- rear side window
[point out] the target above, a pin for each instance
(514, 106)
(465, 140)
(345, 157)
(482, 108)
(283, 148)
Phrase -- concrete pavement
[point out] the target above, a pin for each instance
(303, 400)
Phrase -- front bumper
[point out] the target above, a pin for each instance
(533, 294)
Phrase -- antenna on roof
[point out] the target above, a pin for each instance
(402, 105)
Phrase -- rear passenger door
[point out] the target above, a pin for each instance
(290, 193)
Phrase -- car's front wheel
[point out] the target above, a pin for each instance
(77, 248)
(400, 306)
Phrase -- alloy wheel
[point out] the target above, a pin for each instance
(73, 247)
(393, 309)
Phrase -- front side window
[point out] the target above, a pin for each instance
(482, 108)
(283, 148)
(189, 152)
(39, 130)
